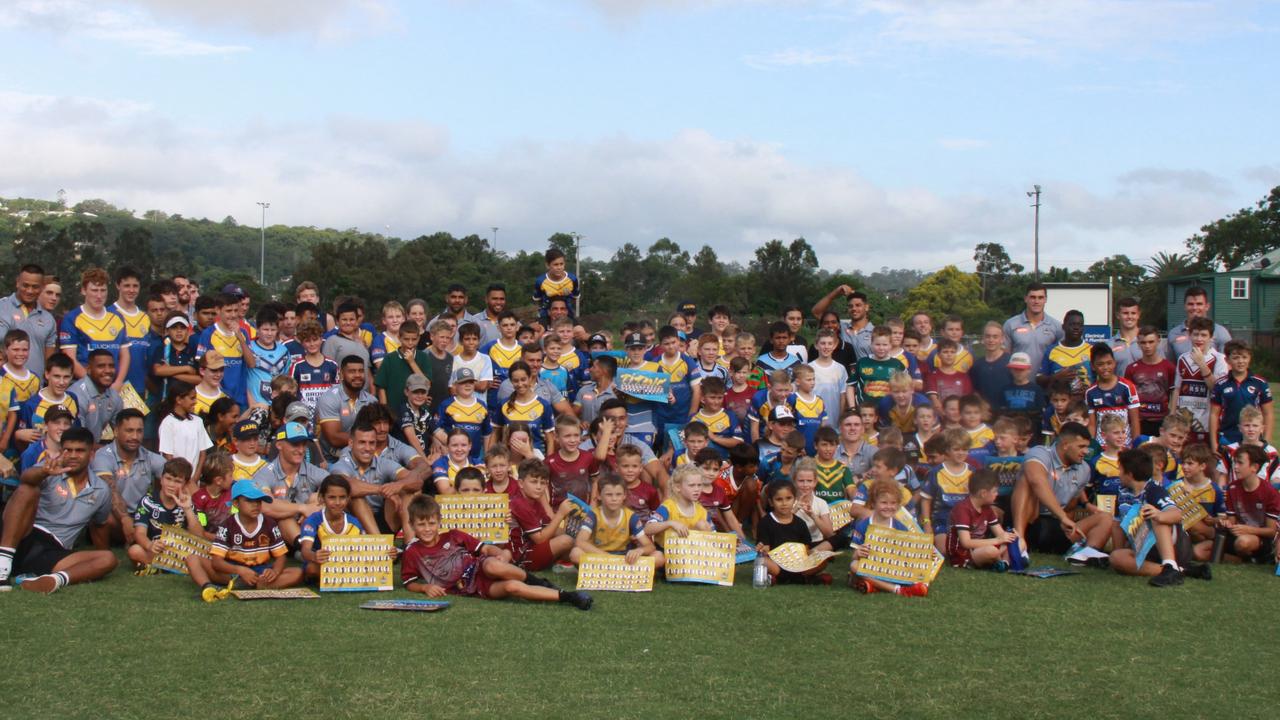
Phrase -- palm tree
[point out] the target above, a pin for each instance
(1154, 290)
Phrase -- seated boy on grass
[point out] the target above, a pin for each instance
(1139, 486)
(975, 538)
(248, 548)
(166, 504)
(616, 529)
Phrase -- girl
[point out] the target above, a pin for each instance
(331, 521)
(809, 508)
(219, 421)
(457, 456)
(416, 310)
(524, 405)
(781, 525)
(886, 499)
(182, 435)
(516, 439)
(168, 503)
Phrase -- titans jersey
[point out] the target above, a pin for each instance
(678, 370)
(316, 529)
(536, 412)
(21, 387)
(1061, 357)
(547, 287)
(472, 418)
(1106, 475)
(722, 423)
(964, 359)
(81, 334)
(810, 415)
(267, 364)
(946, 489)
(613, 537)
(503, 358)
(137, 329)
(444, 469)
(228, 346)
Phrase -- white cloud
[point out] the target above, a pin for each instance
(962, 143)
(326, 19)
(123, 26)
(803, 57)
(694, 187)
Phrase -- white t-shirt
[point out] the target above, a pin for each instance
(481, 365)
(829, 384)
(183, 438)
(820, 507)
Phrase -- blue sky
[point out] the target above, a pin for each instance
(888, 132)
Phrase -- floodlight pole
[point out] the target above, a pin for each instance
(262, 262)
(1035, 193)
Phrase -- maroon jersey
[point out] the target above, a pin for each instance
(643, 499)
(1253, 507)
(964, 516)
(716, 499)
(212, 512)
(451, 563)
(529, 514)
(1154, 382)
(945, 385)
(739, 403)
(571, 477)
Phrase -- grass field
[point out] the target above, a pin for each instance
(1091, 645)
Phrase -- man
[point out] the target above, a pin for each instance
(97, 401)
(336, 409)
(54, 503)
(531, 353)
(137, 327)
(1032, 331)
(91, 326)
(455, 308)
(495, 303)
(291, 482)
(1196, 304)
(127, 468)
(615, 410)
(854, 450)
(369, 472)
(857, 329)
(592, 395)
(20, 311)
(1052, 478)
(1125, 344)
(923, 324)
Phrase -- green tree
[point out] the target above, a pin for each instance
(133, 249)
(949, 291)
(1125, 275)
(994, 265)
(1241, 236)
(782, 275)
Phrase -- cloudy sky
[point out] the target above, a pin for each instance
(888, 132)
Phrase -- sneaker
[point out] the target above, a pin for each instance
(578, 599)
(537, 581)
(564, 567)
(999, 566)
(43, 584)
(916, 590)
(865, 587)
(209, 593)
(1168, 576)
(1199, 571)
(1102, 563)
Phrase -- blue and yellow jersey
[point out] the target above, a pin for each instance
(1060, 357)
(81, 334)
(316, 529)
(232, 351)
(810, 414)
(1106, 475)
(536, 412)
(980, 436)
(613, 537)
(472, 418)
(204, 402)
(677, 369)
(721, 423)
(382, 346)
(1209, 495)
(22, 387)
(547, 287)
(241, 470)
(946, 489)
(444, 469)
(137, 330)
(31, 413)
(669, 511)
(964, 359)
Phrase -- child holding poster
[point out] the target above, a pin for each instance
(714, 498)
(781, 525)
(544, 540)
(1138, 486)
(248, 547)
(1198, 474)
(886, 499)
(166, 504)
(974, 537)
(332, 521)
(682, 511)
(454, 563)
(614, 529)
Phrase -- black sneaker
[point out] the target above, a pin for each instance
(1199, 571)
(1102, 563)
(1168, 577)
(537, 581)
(576, 598)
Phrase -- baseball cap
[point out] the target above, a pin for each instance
(636, 339)
(177, 320)
(234, 289)
(1019, 361)
(462, 375)
(687, 308)
(293, 432)
(213, 360)
(245, 429)
(247, 490)
(416, 382)
(781, 412)
(297, 410)
(598, 339)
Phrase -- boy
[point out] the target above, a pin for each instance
(946, 380)
(709, 365)
(348, 338)
(502, 352)
(17, 383)
(775, 393)
(906, 358)
(718, 504)
(810, 412)
(247, 547)
(211, 366)
(1252, 510)
(830, 377)
(175, 358)
(92, 326)
(745, 347)
(614, 529)
(454, 563)
(270, 358)
(1069, 359)
(464, 411)
(166, 503)
(971, 411)
(556, 282)
(314, 373)
(226, 339)
(975, 538)
(870, 380)
(953, 330)
(570, 469)
(1250, 424)
(642, 497)
(990, 374)
(1196, 463)
(722, 425)
(781, 423)
(1238, 390)
(1104, 484)
(1166, 519)
(1198, 370)
(386, 342)
(542, 540)
(696, 437)
(574, 361)
(396, 367)
(778, 357)
(1055, 413)
(887, 465)
(1153, 375)
(1022, 395)
(57, 378)
(835, 479)
(678, 367)
(899, 409)
(1110, 395)
(779, 466)
(947, 486)
(469, 356)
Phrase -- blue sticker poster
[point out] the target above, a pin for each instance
(643, 384)
(1139, 532)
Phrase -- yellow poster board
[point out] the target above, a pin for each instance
(899, 557)
(1107, 504)
(840, 514)
(483, 517)
(176, 545)
(1192, 511)
(795, 557)
(357, 563)
(702, 557)
(132, 400)
(614, 573)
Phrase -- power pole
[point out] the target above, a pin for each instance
(262, 264)
(577, 272)
(495, 239)
(1035, 193)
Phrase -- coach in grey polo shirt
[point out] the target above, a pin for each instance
(290, 480)
(96, 400)
(20, 311)
(1032, 331)
(378, 469)
(1052, 476)
(125, 464)
(1196, 304)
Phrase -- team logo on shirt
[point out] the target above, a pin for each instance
(238, 539)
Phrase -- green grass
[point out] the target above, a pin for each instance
(1091, 645)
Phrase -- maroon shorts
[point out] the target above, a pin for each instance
(539, 557)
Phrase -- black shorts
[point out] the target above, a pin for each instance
(1045, 535)
(1150, 427)
(839, 541)
(1264, 553)
(37, 554)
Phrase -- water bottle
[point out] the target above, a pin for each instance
(760, 574)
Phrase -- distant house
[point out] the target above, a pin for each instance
(1245, 299)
